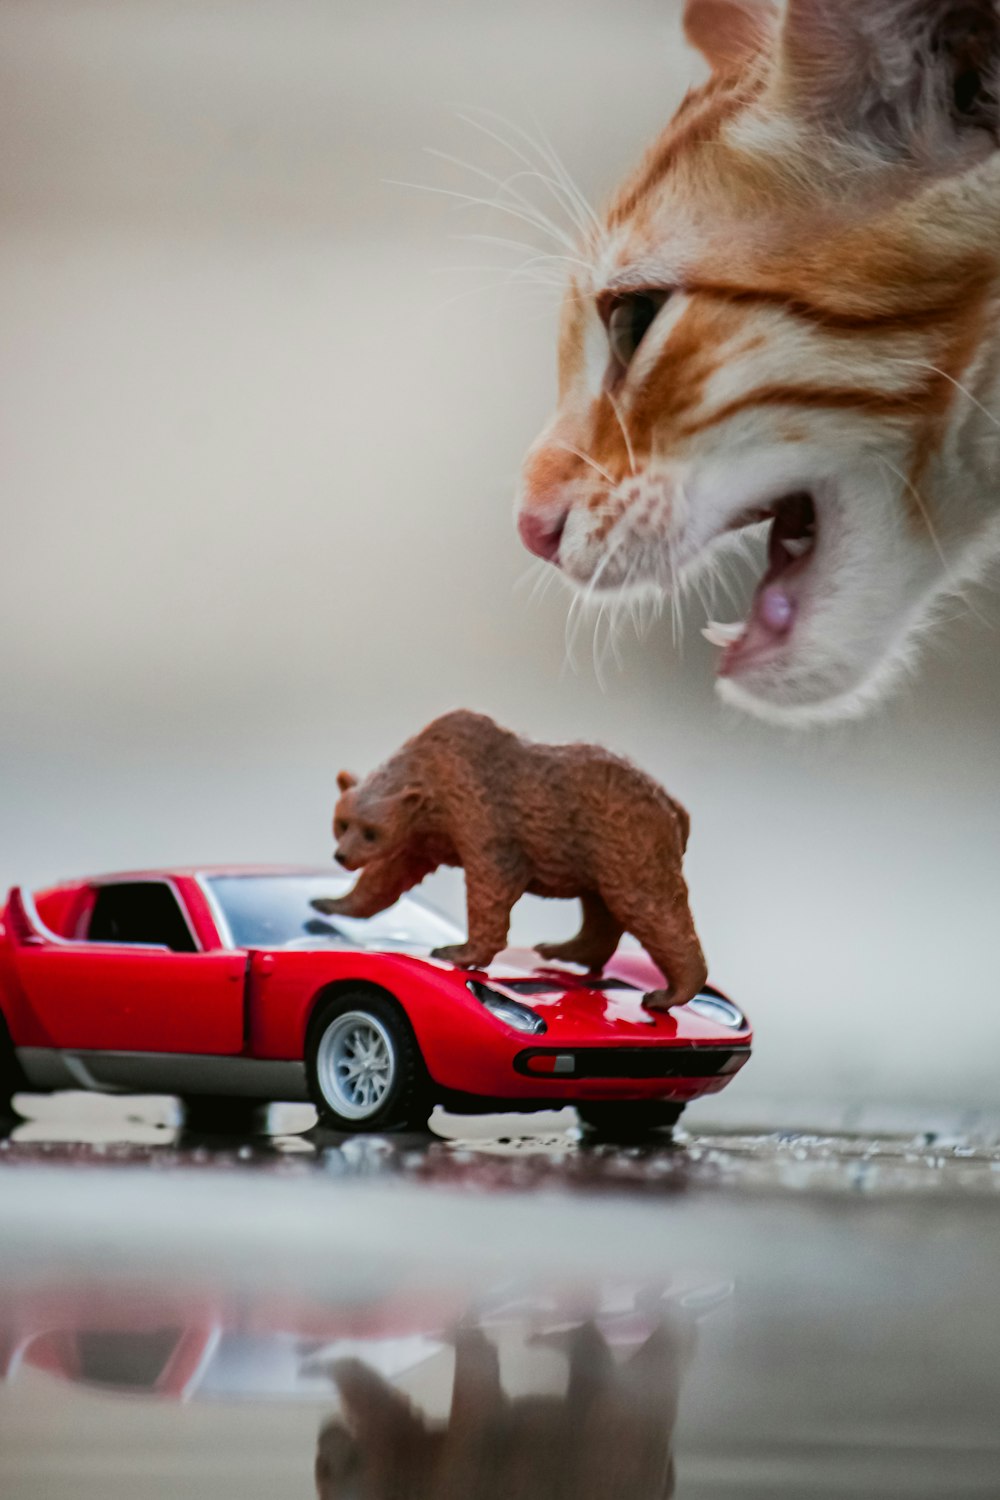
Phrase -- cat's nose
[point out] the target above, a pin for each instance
(542, 533)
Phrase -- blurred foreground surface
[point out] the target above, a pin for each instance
(498, 1310)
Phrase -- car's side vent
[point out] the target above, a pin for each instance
(18, 921)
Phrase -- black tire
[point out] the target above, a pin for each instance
(222, 1114)
(621, 1120)
(12, 1080)
(358, 1024)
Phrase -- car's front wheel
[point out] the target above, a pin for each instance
(627, 1120)
(364, 1066)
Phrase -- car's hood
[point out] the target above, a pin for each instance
(578, 1007)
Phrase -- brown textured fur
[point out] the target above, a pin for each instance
(609, 1437)
(552, 820)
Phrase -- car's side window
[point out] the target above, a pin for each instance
(142, 911)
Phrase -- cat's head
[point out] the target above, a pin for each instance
(774, 321)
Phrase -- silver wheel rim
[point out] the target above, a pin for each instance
(355, 1064)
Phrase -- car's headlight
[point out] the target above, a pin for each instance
(506, 1010)
(714, 1008)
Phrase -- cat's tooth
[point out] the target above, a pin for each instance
(797, 546)
(723, 635)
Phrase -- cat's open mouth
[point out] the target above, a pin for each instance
(791, 544)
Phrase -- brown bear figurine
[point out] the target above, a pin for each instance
(552, 820)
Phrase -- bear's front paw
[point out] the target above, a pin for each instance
(331, 906)
(466, 955)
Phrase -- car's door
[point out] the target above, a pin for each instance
(135, 982)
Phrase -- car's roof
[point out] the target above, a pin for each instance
(186, 872)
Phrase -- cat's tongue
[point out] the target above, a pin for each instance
(776, 601)
(770, 620)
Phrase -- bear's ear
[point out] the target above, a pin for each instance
(412, 796)
(345, 780)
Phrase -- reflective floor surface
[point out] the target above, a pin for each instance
(500, 1310)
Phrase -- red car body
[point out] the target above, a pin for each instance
(217, 1013)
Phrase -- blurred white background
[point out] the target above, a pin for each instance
(260, 431)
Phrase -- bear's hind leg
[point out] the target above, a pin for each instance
(596, 941)
(663, 924)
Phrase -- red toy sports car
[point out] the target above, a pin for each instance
(227, 985)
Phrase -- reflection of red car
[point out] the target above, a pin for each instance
(227, 984)
(185, 1341)
(188, 1342)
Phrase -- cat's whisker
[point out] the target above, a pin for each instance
(547, 578)
(635, 610)
(535, 268)
(495, 286)
(921, 506)
(607, 611)
(624, 431)
(551, 261)
(534, 579)
(524, 272)
(925, 513)
(923, 364)
(555, 187)
(569, 632)
(556, 164)
(537, 221)
(649, 605)
(505, 185)
(676, 615)
(696, 586)
(507, 243)
(579, 453)
(674, 578)
(563, 187)
(596, 653)
(502, 184)
(620, 617)
(532, 174)
(513, 275)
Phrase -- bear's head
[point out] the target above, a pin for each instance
(370, 822)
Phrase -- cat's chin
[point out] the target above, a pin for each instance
(825, 670)
(800, 701)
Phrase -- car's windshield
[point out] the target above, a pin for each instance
(276, 911)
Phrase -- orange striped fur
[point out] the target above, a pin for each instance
(820, 235)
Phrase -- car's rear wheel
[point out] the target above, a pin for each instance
(627, 1120)
(364, 1066)
(221, 1114)
(11, 1078)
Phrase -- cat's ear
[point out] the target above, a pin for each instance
(728, 33)
(915, 80)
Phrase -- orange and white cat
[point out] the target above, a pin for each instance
(790, 314)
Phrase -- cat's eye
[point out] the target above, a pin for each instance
(628, 318)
